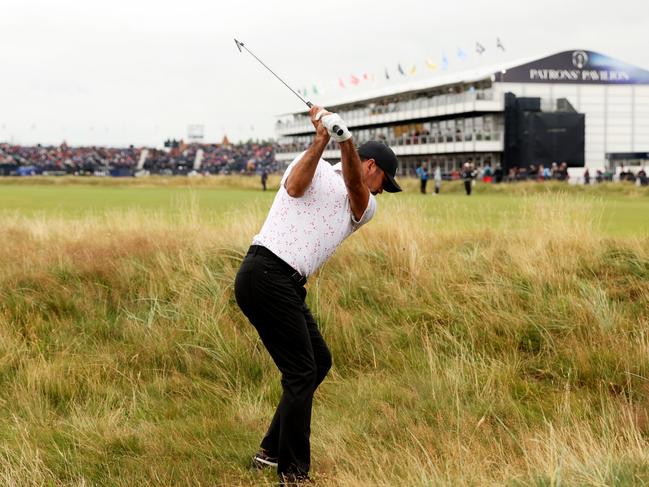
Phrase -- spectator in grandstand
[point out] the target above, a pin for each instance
(422, 173)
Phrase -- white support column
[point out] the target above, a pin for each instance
(198, 160)
(143, 155)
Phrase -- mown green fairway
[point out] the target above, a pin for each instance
(80, 200)
(614, 214)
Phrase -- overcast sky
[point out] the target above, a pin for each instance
(125, 72)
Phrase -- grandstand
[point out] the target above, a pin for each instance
(176, 159)
(578, 107)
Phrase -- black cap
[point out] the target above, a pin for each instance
(385, 159)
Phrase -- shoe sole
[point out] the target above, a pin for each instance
(261, 463)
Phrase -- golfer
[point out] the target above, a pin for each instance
(317, 206)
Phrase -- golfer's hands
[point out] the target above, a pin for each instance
(321, 132)
(329, 121)
(342, 133)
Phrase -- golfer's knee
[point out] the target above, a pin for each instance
(304, 379)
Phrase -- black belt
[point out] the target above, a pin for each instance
(292, 273)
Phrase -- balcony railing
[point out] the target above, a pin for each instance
(391, 112)
(416, 144)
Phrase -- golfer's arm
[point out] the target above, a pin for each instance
(359, 195)
(302, 173)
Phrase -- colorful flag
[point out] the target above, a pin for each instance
(400, 69)
(431, 65)
(499, 44)
(314, 90)
(387, 75)
(413, 70)
(444, 62)
(341, 83)
(461, 55)
(354, 80)
(368, 77)
(479, 48)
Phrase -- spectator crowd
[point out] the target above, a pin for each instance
(177, 158)
(554, 172)
(64, 159)
(248, 157)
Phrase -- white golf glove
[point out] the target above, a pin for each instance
(333, 120)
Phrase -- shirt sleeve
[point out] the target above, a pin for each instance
(367, 214)
(290, 167)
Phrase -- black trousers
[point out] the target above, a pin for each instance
(468, 186)
(274, 304)
(422, 187)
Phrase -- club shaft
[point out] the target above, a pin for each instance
(273, 73)
(335, 128)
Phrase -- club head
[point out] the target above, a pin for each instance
(239, 44)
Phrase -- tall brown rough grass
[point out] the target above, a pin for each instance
(513, 355)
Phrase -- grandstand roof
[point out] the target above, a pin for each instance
(468, 76)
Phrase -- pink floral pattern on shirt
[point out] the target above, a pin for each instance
(306, 231)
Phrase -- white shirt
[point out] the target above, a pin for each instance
(304, 232)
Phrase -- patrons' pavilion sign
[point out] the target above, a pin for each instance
(575, 67)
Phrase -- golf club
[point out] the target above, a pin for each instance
(240, 44)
